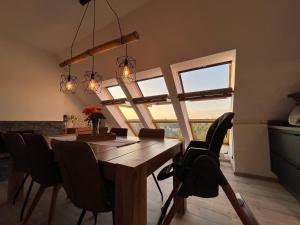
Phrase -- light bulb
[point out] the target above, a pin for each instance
(69, 86)
(126, 71)
(92, 85)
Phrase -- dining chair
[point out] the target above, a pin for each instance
(103, 130)
(43, 170)
(122, 132)
(81, 178)
(3, 150)
(18, 150)
(158, 134)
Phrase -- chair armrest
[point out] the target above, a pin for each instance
(197, 144)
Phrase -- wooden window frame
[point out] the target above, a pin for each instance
(111, 94)
(148, 78)
(204, 67)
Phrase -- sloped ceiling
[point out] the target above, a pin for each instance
(50, 24)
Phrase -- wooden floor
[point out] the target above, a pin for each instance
(270, 202)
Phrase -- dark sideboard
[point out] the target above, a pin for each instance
(285, 155)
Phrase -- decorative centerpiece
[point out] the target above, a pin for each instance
(94, 116)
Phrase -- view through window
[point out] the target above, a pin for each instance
(202, 113)
(163, 114)
(126, 109)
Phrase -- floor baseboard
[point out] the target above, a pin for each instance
(271, 179)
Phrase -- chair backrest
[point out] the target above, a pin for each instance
(43, 169)
(103, 130)
(152, 133)
(81, 177)
(16, 146)
(119, 131)
(2, 144)
(219, 130)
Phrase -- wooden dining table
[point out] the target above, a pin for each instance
(129, 166)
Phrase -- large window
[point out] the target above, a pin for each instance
(162, 113)
(116, 92)
(131, 117)
(126, 109)
(207, 78)
(202, 111)
(153, 87)
(164, 117)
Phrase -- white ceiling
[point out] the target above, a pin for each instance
(50, 24)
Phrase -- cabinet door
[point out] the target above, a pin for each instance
(287, 145)
(287, 174)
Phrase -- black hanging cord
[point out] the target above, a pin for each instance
(118, 20)
(76, 34)
(94, 26)
(117, 17)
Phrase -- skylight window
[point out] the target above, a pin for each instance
(116, 92)
(128, 112)
(153, 87)
(209, 109)
(207, 78)
(162, 111)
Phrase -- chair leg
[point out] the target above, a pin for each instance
(53, 202)
(113, 216)
(157, 184)
(81, 217)
(26, 200)
(95, 216)
(35, 201)
(239, 205)
(20, 188)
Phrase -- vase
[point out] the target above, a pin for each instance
(95, 127)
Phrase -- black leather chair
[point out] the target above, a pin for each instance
(200, 175)
(43, 170)
(82, 179)
(16, 146)
(157, 134)
(122, 132)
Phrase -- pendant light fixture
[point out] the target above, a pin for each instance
(126, 65)
(92, 80)
(68, 83)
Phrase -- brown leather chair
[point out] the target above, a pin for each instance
(43, 170)
(16, 146)
(152, 133)
(122, 132)
(103, 130)
(82, 179)
(158, 134)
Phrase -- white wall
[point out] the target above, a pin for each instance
(265, 35)
(29, 85)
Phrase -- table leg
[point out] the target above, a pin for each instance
(180, 202)
(14, 180)
(130, 196)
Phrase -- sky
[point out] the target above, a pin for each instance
(197, 80)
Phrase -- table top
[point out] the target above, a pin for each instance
(142, 151)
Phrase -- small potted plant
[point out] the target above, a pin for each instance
(94, 115)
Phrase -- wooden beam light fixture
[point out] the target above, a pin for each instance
(129, 38)
(126, 65)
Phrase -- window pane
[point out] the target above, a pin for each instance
(116, 92)
(209, 109)
(215, 77)
(152, 87)
(172, 130)
(199, 130)
(162, 112)
(136, 126)
(129, 113)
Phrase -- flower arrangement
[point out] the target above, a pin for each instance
(93, 114)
